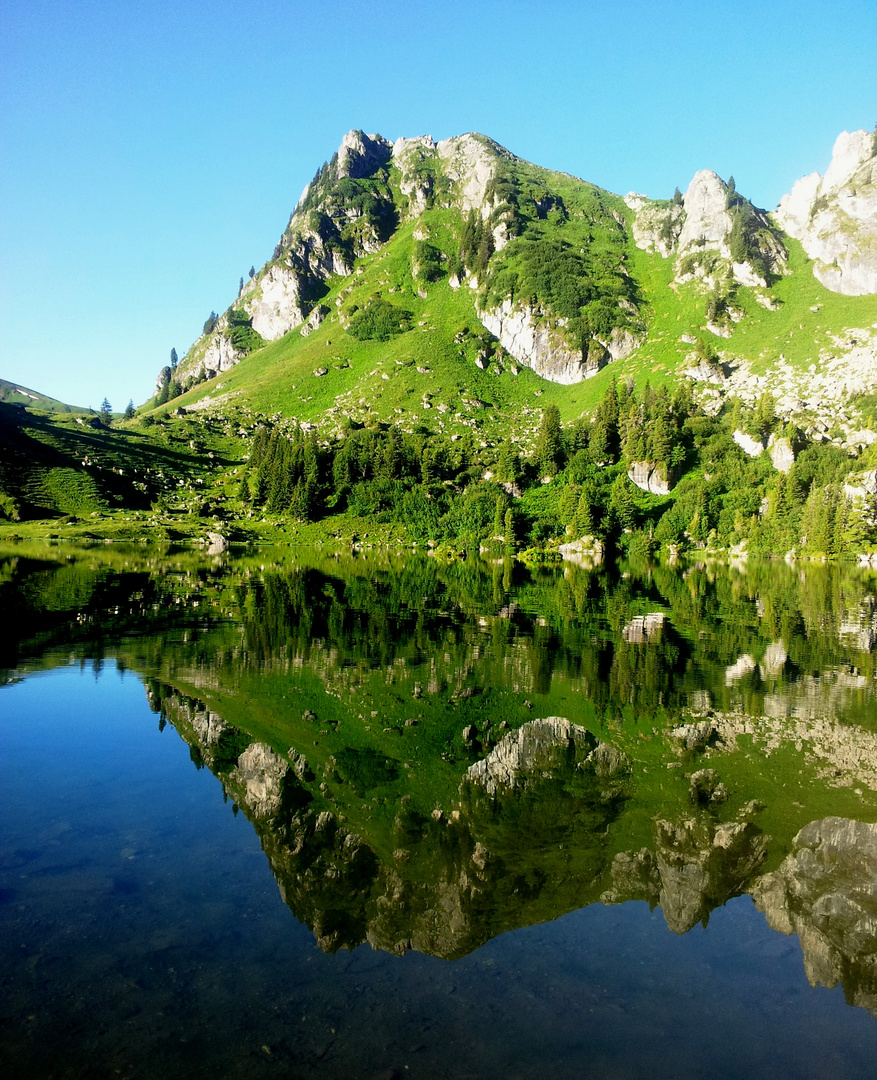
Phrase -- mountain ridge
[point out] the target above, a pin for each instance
(536, 227)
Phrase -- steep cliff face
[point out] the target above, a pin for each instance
(835, 216)
(707, 221)
(535, 345)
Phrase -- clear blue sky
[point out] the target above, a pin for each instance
(152, 152)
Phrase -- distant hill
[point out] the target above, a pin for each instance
(15, 394)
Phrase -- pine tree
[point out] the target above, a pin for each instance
(485, 250)
(633, 437)
(502, 504)
(549, 442)
(604, 434)
(569, 500)
(621, 505)
(469, 240)
(129, 410)
(106, 412)
(660, 440)
(174, 360)
(508, 466)
(583, 523)
(509, 530)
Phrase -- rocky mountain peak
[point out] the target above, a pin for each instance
(851, 150)
(470, 161)
(359, 155)
(707, 221)
(835, 216)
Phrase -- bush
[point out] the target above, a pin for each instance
(379, 320)
(427, 261)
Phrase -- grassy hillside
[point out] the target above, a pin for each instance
(16, 394)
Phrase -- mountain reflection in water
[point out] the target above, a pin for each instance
(433, 755)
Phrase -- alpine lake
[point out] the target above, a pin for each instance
(312, 815)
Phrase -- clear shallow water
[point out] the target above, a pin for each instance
(144, 936)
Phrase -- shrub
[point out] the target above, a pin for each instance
(379, 320)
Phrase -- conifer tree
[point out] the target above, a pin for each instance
(508, 466)
(621, 504)
(583, 522)
(549, 442)
(509, 530)
(502, 504)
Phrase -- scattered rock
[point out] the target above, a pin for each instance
(705, 787)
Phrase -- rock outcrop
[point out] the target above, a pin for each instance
(648, 476)
(262, 774)
(416, 183)
(656, 226)
(707, 229)
(835, 216)
(696, 866)
(529, 338)
(701, 865)
(360, 155)
(535, 345)
(707, 222)
(469, 161)
(782, 453)
(825, 891)
(275, 305)
(748, 443)
(528, 750)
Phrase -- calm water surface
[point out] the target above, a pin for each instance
(185, 895)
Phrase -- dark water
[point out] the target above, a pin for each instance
(178, 900)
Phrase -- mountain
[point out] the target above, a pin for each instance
(455, 347)
(415, 275)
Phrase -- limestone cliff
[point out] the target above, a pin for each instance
(527, 335)
(835, 216)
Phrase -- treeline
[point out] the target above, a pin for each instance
(576, 481)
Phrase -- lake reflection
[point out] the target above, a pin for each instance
(537, 776)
